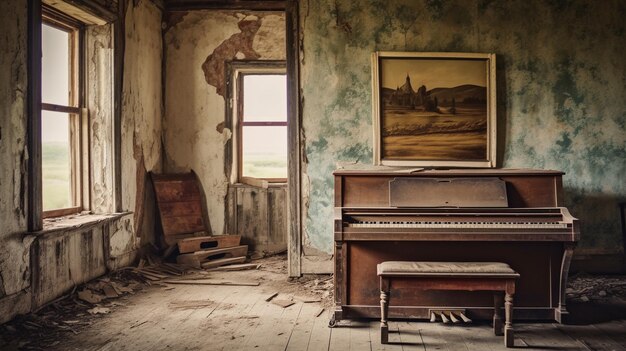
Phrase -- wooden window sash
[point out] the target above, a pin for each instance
(242, 123)
(76, 114)
(264, 124)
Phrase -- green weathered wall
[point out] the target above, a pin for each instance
(561, 84)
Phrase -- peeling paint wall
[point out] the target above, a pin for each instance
(14, 245)
(197, 45)
(141, 116)
(62, 258)
(65, 258)
(99, 75)
(560, 82)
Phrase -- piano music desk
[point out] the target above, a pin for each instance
(462, 276)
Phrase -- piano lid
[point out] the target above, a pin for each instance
(447, 192)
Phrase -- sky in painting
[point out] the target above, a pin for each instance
(433, 73)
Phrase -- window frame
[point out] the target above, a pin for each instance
(239, 70)
(75, 109)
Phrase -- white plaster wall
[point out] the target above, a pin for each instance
(193, 107)
(141, 113)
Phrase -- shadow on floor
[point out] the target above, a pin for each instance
(598, 311)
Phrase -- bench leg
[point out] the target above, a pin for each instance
(498, 303)
(384, 308)
(508, 322)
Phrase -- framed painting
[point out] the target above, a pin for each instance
(434, 109)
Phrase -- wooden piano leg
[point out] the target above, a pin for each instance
(498, 302)
(384, 309)
(561, 312)
(508, 321)
(339, 282)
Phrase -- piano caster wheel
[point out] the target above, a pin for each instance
(332, 322)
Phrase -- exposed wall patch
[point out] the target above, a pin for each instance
(237, 46)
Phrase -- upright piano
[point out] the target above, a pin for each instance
(466, 215)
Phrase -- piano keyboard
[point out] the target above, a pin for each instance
(440, 224)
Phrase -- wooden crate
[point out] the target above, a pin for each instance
(207, 242)
(197, 258)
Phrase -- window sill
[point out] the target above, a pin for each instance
(265, 186)
(260, 183)
(77, 221)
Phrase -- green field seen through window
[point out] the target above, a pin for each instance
(55, 169)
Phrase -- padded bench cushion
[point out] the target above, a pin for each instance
(407, 268)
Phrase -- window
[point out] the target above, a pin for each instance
(60, 116)
(261, 123)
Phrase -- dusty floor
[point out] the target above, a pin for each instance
(77, 313)
(154, 315)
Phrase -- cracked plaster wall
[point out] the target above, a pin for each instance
(561, 77)
(197, 45)
(141, 120)
(14, 245)
(99, 66)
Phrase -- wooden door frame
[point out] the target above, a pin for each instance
(294, 142)
(294, 108)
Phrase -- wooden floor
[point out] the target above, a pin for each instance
(197, 317)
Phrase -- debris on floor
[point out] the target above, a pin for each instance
(80, 307)
(583, 287)
(284, 303)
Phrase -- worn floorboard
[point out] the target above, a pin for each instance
(320, 334)
(200, 317)
(545, 336)
(410, 336)
(360, 335)
(615, 330)
(591, 337)
(340, 336)
(302, 330)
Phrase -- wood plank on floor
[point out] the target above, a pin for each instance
(282, 328)
(248, 327)
(410, 336)
(591, 337)
(360, 335)
(320, 334)
(264, 333)
(479, 336)
(615, 330)
(542, 336)
(340, 336)
(230, 315)
(179, 328)
(130, 324)
(303, 327)
(431, 339)
(394, 337)
(437, 337)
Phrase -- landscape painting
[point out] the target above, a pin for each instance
(434, 109)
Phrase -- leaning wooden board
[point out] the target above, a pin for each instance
(207, 242)
(179, 199)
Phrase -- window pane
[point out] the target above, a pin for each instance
(264, 152)
(265, 98)
(55, 65)
(55, 163)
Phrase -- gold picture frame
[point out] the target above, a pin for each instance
(449, 120)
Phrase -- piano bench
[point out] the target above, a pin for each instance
(461, 276)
